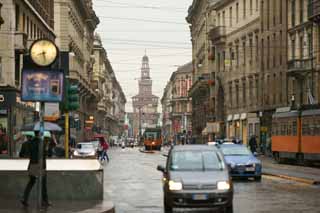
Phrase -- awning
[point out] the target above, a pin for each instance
(243, 116)
(205, 131)
(213, 127)
(236, 117)
(229, 118)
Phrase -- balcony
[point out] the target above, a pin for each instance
(299, 66)
(314, 10)
(218, 34)
(20, 41)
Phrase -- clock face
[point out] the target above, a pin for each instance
(43, 52)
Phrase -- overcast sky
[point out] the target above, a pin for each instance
(128, 28)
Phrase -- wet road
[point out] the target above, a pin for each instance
(134, 185)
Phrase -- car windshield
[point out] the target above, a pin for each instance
(85, 146)
(235, 150)
(195, 161)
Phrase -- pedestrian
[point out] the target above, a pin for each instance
(34, 170)
(25, 148)
(104, 147)
(253, 144)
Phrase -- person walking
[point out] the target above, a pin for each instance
(25, 148)
(253, 144)
(32, 147)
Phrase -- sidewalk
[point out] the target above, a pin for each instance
(304, 174)
(59, 206)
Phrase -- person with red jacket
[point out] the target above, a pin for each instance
(105, 146)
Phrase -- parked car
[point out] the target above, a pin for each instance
(95, 144)
(196, 176)
(84, 150)
(241, 161)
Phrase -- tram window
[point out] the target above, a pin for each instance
(305, 128)
(318, 127)
(289, 129)
(294, 128)
(283, 129)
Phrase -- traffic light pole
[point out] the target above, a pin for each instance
(66, 139)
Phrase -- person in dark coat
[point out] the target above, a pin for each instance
(25, 148)
(253, 144)
(34, 169)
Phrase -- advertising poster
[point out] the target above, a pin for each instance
(42, 86)
(51, 111)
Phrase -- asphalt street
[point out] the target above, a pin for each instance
(134, 185)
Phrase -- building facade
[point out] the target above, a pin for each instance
(75, 23)
(303, 51)
(145, 104)
(166, 113)
(202, 91)
(21, 23)
(247, 59)
(181, 115)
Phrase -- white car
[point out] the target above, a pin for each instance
(84, 150)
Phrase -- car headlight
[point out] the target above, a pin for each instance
(174, 186)
(76, 153)
(153, 143)
(223, 185)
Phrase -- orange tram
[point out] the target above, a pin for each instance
(152, 139)
(296, 135)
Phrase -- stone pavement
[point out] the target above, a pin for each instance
(11, 206)
(304, 174)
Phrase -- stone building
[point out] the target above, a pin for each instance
(181, 115)
(166, 112)
(21, 23)
(202, 91)
(303, 51)
(119, 102)
(247, 51)
(145, 104)
(75, 23)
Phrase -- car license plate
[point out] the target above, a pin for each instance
(200, 197)
(250, 169)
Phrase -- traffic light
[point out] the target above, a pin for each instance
(71, 97)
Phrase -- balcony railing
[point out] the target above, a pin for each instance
(314, 10)
(299, 65)
(218, 34)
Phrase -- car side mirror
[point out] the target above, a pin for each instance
(161, 168)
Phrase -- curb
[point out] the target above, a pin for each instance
(143, 151)
(301, 180)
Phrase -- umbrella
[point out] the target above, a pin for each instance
(31, 133)
(36, 127)
(98, 136)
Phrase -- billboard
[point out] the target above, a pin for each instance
(51, 111)
(42, 85)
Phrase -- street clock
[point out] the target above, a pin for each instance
(43, 52)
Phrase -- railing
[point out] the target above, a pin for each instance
(217, 33)
(299, 65)
(313, 9)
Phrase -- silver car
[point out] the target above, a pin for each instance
(84, 150)
(196, 176)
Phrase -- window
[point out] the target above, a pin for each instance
(237, 95)
(268, 52)
(301, 11)
(293, 12)
(251, 7)
(257, 5)
(230, 94)
(0, 69)
(244, 53)
(244, 94)
(23, 23)
(219, 19)
(251, 51)
(280, 46)
(244, 9)
(274, 12)
(274, 50)
(257, 90)
(262, 16)
(257, 47)
(262, 54)
(280, 12)
(223, 60)
(223, 18)
(230, 16)
(237, 55)
(237, 12)
(293, 48)
(301, 47)
(17, 17)
(310, 45)
(268, 14)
